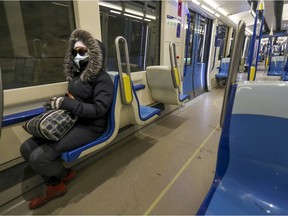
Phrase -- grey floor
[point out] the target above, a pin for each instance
(165, 169)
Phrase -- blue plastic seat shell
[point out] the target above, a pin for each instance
(250, 177)
(145, 112)
(256, 179)
(223, 70)
(75, 153)
(183, 97)
(223, 155)
(275, 68)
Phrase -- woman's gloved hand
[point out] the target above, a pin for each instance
(53, 103)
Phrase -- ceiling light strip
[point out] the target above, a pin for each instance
(116, 12)
(196, 2)
(150, 16)
(109, 5)
(212, 3)
(134, 12)
(222, 11)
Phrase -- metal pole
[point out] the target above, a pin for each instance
(252, 47)
(234, 66)
(261, 9)
(126, 96)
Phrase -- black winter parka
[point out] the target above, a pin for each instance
(91, 88)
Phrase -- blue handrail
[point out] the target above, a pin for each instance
(21, 116)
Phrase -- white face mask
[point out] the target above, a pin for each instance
(79, 58)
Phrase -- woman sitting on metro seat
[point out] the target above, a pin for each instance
(90, 96)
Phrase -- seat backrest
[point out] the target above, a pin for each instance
(160, 82)
(258, 143)
(276, 65)
(225, 63)
(259, 120)
(251, 173)
(278, 58)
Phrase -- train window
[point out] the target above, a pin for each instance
(201, 40)
(34, 39)
(139, 23)
(222, 35)
(190, 44)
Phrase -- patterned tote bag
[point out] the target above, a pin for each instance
(51, 125)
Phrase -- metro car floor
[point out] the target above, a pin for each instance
(165, 168)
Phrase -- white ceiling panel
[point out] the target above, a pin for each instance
(245, 15)
(239, 9)
(234, 7)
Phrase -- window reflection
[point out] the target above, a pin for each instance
(34, 41)
(139, 24)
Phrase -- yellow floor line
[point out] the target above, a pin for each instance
(157, 200)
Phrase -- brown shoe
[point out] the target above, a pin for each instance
(71, 175)
(52, 191)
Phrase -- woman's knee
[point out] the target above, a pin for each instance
(43, 155)
(27, 148)
(44, 158)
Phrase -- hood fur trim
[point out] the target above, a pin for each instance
(95, 63)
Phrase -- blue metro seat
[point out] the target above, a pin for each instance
(285, 76)
(141, 115)
(145, 112)
(183, 97)
(109, 133)
(223, 69)
(285, 72)
(276, 66)
(251, 175)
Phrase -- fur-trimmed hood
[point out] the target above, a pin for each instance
(96, 54)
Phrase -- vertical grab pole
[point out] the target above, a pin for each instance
(252, 47)
(234, 65)
(125, 78)
(173, 63)
(261, 11)
(268, 60)
(145, 49)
